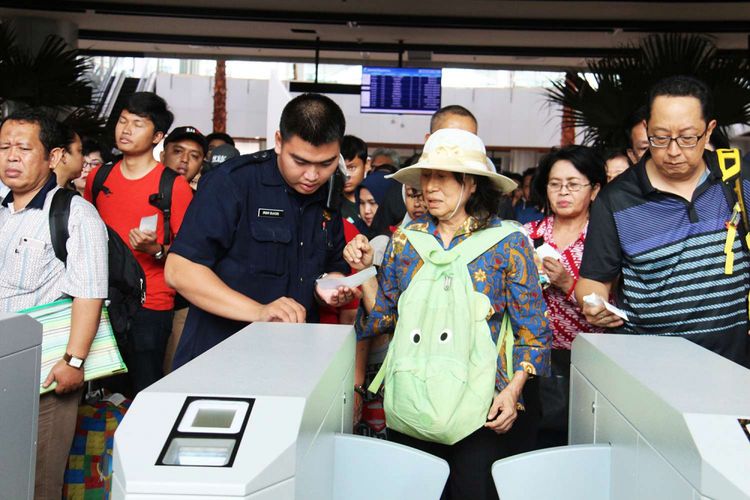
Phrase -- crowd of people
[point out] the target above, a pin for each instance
(486, 277)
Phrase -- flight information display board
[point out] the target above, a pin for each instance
(400, 90)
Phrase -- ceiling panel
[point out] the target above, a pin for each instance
(485, 33)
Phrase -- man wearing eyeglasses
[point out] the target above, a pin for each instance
(661, 231)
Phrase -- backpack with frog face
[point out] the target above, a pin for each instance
(441, 364)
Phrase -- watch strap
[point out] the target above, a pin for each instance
(73, 361)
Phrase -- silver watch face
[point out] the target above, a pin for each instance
(75, 362)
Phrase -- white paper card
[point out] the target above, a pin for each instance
(378, 245)
(595, 300)
(148, 223)
(352, 281)
(547, 250)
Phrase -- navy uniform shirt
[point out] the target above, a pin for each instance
(261, 237)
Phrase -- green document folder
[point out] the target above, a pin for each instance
(104, 358)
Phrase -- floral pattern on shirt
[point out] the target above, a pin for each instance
(506, 274)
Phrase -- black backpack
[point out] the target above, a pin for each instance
(161, 200)
(127, 282)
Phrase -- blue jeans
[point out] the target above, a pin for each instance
(147, 343)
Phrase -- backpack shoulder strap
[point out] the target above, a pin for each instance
(481, 241)
(99, 179)
(59, 214)
(423, 243)
(730, 165)
(163, 200)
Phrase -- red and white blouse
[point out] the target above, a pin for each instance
(565, 316)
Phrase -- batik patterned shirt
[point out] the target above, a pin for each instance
(505, 273)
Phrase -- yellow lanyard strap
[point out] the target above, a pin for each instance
(731, 235)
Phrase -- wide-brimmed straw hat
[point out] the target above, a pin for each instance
(454, 150)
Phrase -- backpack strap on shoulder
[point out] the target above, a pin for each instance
(729, 172)
(99, 179)
(424, 243)
(163, 200)
(481, 241)
(59, 214)
(730, 166)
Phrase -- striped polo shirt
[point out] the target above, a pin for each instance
(666, 255)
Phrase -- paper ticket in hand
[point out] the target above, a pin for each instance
(595, 300)
(378, 245)
(352, 281)
(547, 250)
(148, 223)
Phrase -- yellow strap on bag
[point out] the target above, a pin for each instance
(728, 154)
(730, 165)
(731, 235)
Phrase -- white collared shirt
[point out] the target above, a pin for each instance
(31, 274)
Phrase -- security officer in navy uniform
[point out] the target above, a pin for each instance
(258, 234)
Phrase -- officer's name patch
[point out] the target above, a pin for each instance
(270, 212)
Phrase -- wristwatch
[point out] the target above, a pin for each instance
(360, 390)
(73, 361)
(160, 254)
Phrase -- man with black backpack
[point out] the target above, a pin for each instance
(144, 203)
(669, 237)
(31, 144)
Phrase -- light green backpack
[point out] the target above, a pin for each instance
(441, 364)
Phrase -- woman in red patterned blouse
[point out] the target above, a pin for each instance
(565, 184)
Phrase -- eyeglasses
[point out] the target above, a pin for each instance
(92, 164)
(683, 141)
(573, 187)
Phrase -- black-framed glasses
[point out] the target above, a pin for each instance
(573, 187)
(683, 141)
(92, 164)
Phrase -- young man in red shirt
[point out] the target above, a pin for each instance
(124, 205)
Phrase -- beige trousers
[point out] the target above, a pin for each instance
(57, 426)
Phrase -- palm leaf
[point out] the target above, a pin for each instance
(53, 77)
(622, 83)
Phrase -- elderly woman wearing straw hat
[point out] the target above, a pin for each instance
(461, 188)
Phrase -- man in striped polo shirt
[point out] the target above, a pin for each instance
(657, 234)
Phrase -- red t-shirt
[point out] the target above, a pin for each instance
(122, 210)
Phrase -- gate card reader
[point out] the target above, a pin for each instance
(265, 415)
(254, 417)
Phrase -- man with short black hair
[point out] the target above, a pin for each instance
(665, 237)
(31, 143)
(259, 234)
(525, 210)
(636, 134)
(128, 204)
(70, 163)
(354, 151)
